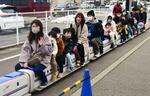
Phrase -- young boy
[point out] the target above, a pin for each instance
(59, 56)
(75, 49)
(53, 63)
(68, 47)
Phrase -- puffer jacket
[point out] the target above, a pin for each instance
(28, 49)
(93, 31)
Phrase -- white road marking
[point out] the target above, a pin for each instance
(11, 57)
(112, 67)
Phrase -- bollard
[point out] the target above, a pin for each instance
(86, 85)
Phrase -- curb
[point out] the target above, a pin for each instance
(10, 46)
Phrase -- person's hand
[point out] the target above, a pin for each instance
(74, 48)
(25, 65)
(41, 41)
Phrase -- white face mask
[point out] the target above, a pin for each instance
(35, 30)
(90, 18)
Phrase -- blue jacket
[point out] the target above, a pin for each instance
(94, 30)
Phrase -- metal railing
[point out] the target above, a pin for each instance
(18, 33)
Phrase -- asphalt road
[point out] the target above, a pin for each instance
(118, 80)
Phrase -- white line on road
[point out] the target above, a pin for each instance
(11, 57)
(111, 67)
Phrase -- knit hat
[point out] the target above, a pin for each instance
(91, 13)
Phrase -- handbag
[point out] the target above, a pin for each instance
(35, 58)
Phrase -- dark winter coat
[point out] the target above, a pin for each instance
(94, 30)
(117, 19)
(136, 16)
(143, 17)
(68, 45)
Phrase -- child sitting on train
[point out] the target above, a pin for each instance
(75, 49)
(143, 18)
(68, 48)
(94, 34)
(59, 56)
(108, 33)
(53, 63)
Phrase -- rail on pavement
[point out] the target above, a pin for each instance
(86, 85)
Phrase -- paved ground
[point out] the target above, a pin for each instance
(131, 78)
(95, 67)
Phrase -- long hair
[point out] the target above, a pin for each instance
(82, 19)
(36, 37)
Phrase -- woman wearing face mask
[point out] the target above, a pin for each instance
(81, 34)
(37, 42)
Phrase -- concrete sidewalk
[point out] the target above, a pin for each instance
(130, 78)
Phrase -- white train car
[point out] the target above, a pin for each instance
(14, 84)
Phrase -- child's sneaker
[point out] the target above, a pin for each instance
(53, 77)
(60, 75)
(97, 55)
(69, 69)
(43, 85)
(93, 58)
(78, 63)
(112, 45)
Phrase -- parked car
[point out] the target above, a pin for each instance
(87, 4)
(59, 7)
(84, 6)
(67, 6)
(71, 6)
(8, 18)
